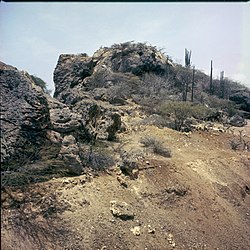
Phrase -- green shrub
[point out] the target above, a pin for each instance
(181, 111)
(39, 82)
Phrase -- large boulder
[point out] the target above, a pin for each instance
(242, 99)
(24, 114)
(100, 121)
(237, 121)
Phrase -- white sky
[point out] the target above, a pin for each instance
(33, 35)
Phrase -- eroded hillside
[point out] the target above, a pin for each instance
(99, 167)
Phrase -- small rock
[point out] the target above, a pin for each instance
(171, 241)
(121, 210)
(237, 121)
(135, 173)
(151, 230)
(136, 231)
(65, 181)
(122, 181)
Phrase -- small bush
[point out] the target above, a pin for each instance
(179, 112)
(128, 163)
(96, 159)
(100, 161)
(156, 146)
(235, 145)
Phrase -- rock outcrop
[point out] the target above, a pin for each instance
(62, 119)
(242, 99)
(87, 85)
(69, 153)
(88, 104)
(107, 67)
(24, 114)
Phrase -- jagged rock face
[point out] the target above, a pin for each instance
(105, 68)
(100, 121)
(135, 58)
(69, 153)
(62, 119)
(30, 119)
(24, 113)
(84, 83)
(71, 70)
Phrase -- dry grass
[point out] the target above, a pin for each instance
(156, 145)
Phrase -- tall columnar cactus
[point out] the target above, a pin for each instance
(187, 58)
(211, 79)
(222, 85)
(187, 65)
(192, 90)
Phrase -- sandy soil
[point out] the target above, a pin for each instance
(197, 199)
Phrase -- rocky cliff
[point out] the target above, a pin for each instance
(24, 114)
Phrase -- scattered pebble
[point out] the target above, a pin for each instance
(136, 231)
(151, 230)
(171, 241)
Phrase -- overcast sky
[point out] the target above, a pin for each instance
(33, 35)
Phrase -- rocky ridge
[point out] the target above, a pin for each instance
(143, 200)
(79, 107)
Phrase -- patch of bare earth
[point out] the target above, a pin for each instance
(197, 199)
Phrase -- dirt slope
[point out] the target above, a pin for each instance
(197, 199)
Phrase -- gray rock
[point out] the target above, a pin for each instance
(100, 121)
(24, 114)
(69, 153)
(62, 119)
(242, 99)
(121, 210)
(237, 121)
(107, 67)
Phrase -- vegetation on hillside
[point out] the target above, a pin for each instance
(41, 83)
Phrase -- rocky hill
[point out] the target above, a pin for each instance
(115, 160)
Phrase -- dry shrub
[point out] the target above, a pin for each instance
(156, 146)
(96, 158)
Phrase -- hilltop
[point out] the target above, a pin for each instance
(118, 160)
